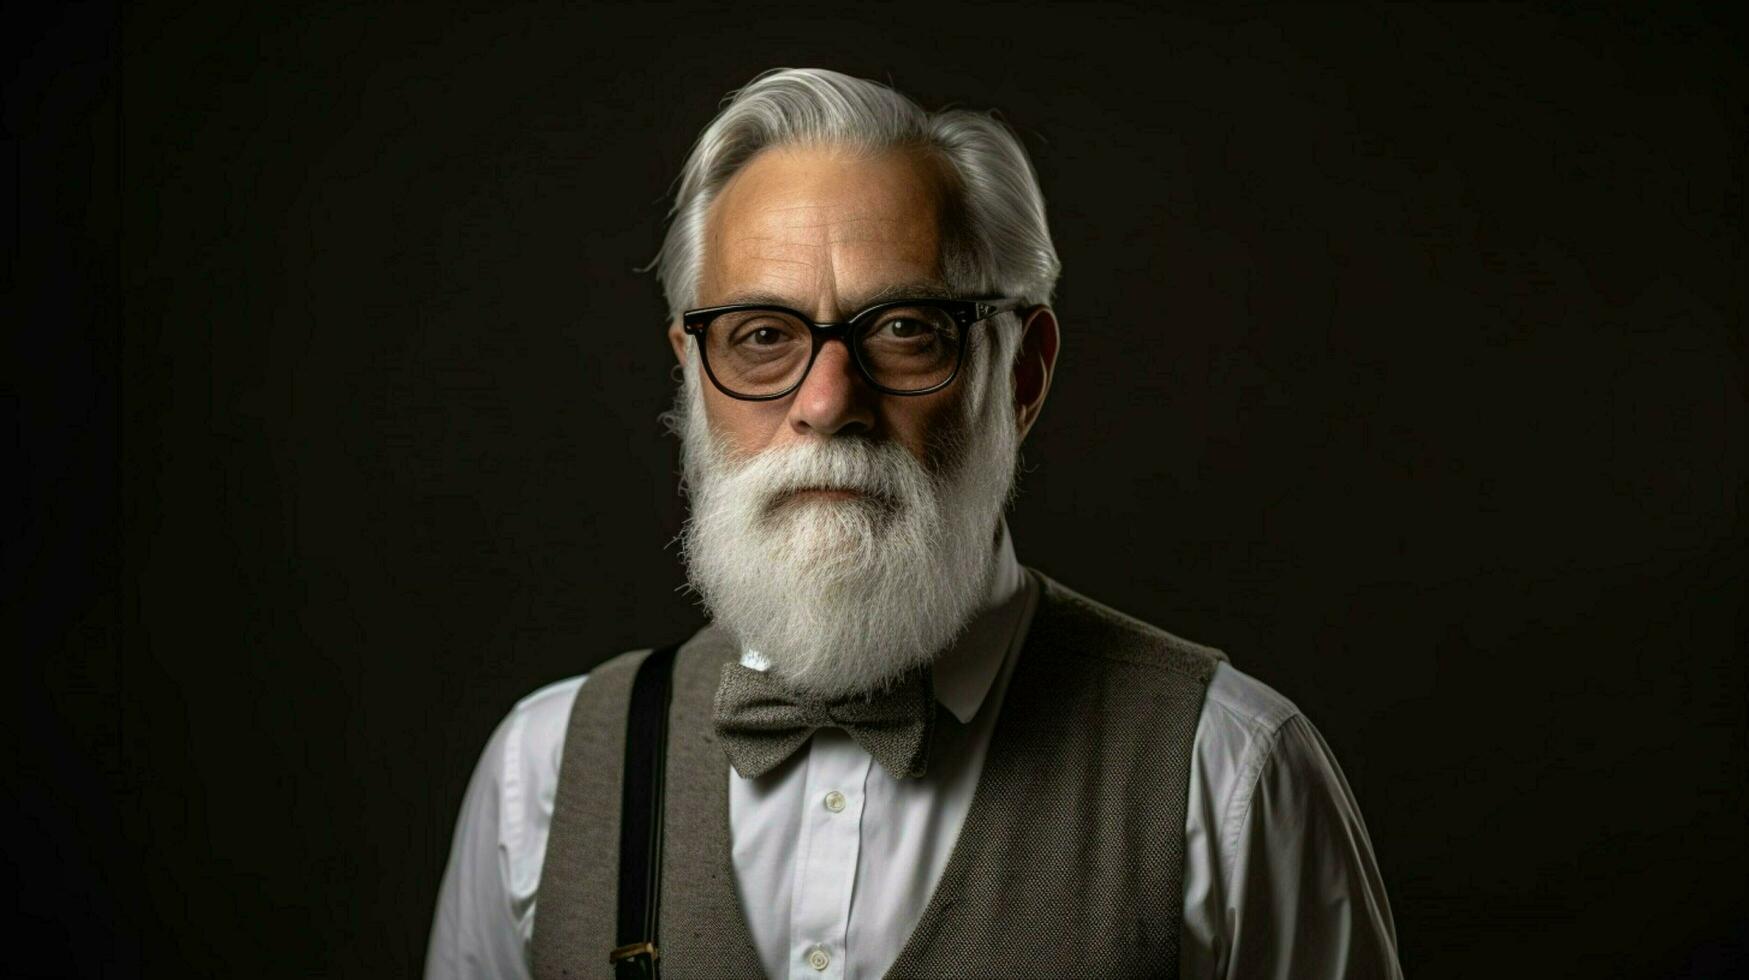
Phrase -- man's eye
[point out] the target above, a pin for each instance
(905, 327)
(767, 334)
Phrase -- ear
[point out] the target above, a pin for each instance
(677, 340)
(1034, 364)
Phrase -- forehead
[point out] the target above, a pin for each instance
(823, 226)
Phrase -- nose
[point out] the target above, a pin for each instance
(833, 398)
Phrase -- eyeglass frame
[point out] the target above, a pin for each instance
(965, 312)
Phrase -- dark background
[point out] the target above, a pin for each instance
(1403, 360)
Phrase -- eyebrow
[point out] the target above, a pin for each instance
(904, 290)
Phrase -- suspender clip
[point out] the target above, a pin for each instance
(634, 961)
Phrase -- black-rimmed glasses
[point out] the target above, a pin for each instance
(901, 347)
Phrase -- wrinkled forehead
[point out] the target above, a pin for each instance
(825, 229)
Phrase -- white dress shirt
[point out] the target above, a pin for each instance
(835, 860)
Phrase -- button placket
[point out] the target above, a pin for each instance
(826, 870)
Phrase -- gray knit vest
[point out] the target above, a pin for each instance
(1069, 863)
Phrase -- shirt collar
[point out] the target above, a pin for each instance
(964, 673)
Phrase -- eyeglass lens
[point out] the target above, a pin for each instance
(763, 352)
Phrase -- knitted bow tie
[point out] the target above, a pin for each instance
(760, 723)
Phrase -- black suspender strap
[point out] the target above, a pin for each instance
(640, 818)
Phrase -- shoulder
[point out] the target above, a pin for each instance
(521, 767)
(1086, 629)
(520, 758)
(538, 722)
(526, 749)
(1240, 729)
(485, 905)
(536, 725)
(1259, 762)
(523, 760)
(1278, 863)
(1242, 709)
(1246, 725)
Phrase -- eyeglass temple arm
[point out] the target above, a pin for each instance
(993, 307)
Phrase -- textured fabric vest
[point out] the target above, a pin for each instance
(1069, 863)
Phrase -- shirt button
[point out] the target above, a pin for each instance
(818, 958)
(835, 803)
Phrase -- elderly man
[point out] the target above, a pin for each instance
(895, 750)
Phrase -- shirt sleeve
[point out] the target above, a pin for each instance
(474, 931)
(1304, 897)
(485, 907)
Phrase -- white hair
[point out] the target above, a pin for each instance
(996, 240)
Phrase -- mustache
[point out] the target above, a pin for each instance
(858, 497)
(882, 472)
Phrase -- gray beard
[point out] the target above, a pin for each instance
(843, 597)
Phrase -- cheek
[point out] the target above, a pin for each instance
(745, 428)
(932, 427)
